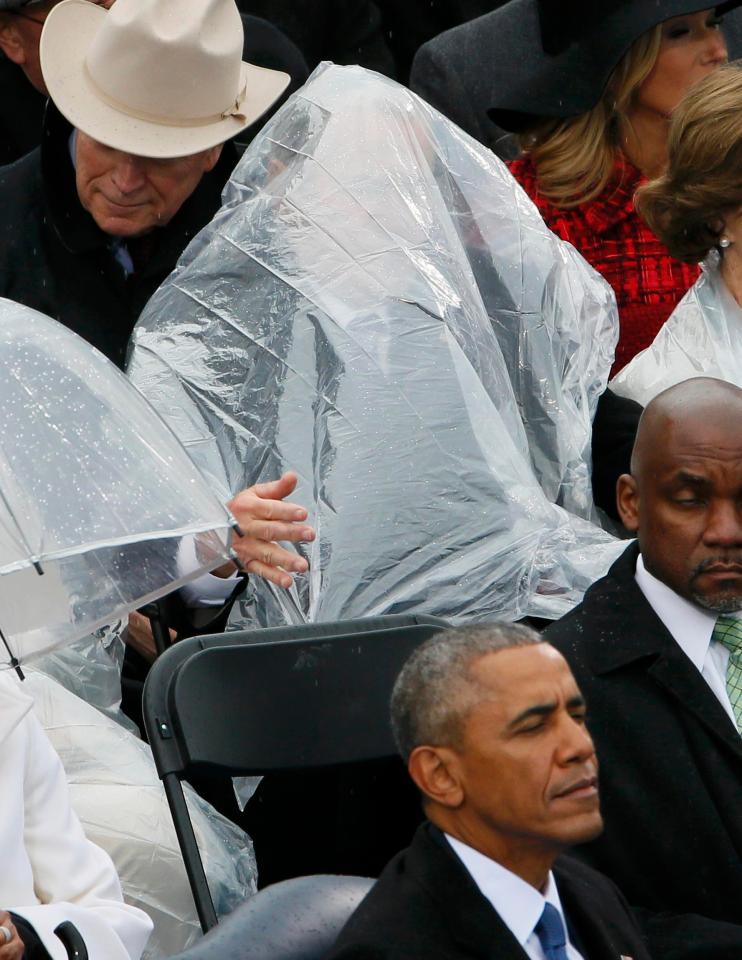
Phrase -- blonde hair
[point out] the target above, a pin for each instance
(576, 158)
(686, 206)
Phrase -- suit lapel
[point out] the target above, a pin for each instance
(641, 636)
(682, 681)
(469, 916)
(589, 930)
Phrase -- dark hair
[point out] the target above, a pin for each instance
(686, 207)
(434, 691)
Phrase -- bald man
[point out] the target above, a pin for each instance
(655, 649)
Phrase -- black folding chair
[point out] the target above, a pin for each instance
(281, 699)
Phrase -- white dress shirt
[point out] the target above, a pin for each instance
(692, 627)
(518, 904)
(207, 590)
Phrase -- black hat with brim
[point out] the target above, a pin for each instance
(553, 58)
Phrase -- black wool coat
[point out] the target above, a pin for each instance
(410, 24)
(344, 31)
(54, 258)
(670, 770)
(425, 906)
(453, 73)
(21, 113)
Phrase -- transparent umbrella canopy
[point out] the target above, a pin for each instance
(101, 509)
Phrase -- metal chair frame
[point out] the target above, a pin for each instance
(284, 698)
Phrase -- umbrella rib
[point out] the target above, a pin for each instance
(21, 535)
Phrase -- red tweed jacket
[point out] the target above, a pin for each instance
(611, 236)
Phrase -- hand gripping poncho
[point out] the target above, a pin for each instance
(380, 307)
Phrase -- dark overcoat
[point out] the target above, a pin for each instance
(670, 769)
(425, 906)
(54, 258)
(344, 31)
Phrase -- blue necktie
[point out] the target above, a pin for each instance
(550, 931)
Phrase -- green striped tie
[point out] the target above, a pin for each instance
(728, 630)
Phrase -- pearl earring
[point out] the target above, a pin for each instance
(725, 242)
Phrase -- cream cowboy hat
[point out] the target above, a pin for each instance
(154, 78)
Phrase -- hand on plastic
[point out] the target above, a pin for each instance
(264, 517)
(14, 948)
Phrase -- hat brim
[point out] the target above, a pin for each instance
(68, 32)
(530, 83)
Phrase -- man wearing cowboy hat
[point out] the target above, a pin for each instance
(131, 166)
(24, 90)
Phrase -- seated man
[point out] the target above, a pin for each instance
(131, 164)
(51, 874)
(492, 725)
(656, 648)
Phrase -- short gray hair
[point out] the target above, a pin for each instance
(434, 691)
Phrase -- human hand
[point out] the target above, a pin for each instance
(14, 948)
(264, 518)
(138, 635)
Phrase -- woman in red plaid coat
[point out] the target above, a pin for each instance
(599, 93)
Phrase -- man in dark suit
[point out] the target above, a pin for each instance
(492, 725)
(655, 649)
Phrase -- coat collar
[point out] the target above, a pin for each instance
(15, 703)
(618, 644)
(469, 916)
(639, 638)
(477, 927)
(611, 207)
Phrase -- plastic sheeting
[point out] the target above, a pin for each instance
(122, 806)
(701, 338)
(380, 307)
(95, 491)
(91, 669)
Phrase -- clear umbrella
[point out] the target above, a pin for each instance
(101, 510)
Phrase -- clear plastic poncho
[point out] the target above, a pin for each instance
(701, 338)
(101, 510)
(379, 306)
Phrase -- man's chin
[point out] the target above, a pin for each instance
(719, 601)
(588, 831)
(127, 227)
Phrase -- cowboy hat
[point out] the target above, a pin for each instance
(154, 78)
(553, 58)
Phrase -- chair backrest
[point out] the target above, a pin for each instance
(294, 920)
(277, 699)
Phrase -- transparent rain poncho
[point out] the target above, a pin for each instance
(100, 507)
(701, 338)
(380, 307)
(120, 802)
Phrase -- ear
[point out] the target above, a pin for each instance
(435, 773)
(11, 41)
(627, 501)
(211, 157)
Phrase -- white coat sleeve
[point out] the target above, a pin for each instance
(73, 879)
